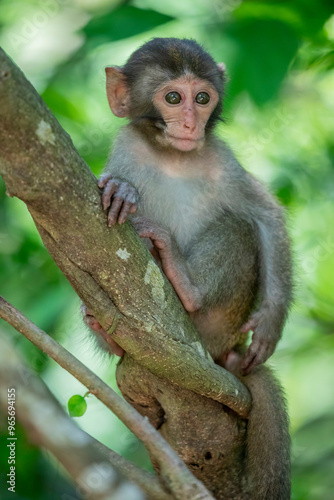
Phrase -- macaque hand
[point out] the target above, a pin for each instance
(264, 340)
(160, 238)
(120, 196)
(94, 325)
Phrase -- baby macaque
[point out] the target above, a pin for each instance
(216, 232)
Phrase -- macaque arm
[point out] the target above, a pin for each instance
(173, 264)
(275, 283)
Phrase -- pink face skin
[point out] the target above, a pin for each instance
(187, 119)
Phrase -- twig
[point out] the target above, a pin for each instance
(47, 425)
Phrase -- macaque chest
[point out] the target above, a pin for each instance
(180, 205)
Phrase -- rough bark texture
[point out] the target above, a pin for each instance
(166, 372)
(206, 434)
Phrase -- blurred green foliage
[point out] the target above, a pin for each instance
(279, 110)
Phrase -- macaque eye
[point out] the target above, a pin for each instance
(202, 98)
(173, 98)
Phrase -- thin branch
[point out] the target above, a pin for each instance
(47, 425)
(173, 471)
(149, 483)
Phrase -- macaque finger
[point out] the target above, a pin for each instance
(246, 370)
(144, 233)
(108, 192)
(86, 313)
(258, 352)
(113, 346)
(248, 363)
(114, 210)
(90, 320)
(93, 324)
(104, 178)
(126, 210)
(251, 357)
(149, 229)
(249, 326)
(142, 226)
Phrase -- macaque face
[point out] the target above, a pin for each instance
(185, 105)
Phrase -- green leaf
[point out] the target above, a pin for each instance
(306, 16)
(77, 406)
(265, 49)
(122, 23)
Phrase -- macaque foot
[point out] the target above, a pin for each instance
(120, 196)
(263, 343)
(231, 361)
(95, 326)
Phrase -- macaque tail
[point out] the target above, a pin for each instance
(268, 439)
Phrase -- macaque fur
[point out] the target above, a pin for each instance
(215, 231)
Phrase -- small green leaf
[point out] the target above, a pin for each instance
(77, 406)
(124, 22)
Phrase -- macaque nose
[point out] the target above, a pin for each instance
(189, 122)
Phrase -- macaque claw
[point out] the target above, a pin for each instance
(215, 231)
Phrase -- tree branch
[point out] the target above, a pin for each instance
(149, 483)
(173, 471)
(110, 269)
(47, 425)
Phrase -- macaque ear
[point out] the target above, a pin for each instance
(117, 91)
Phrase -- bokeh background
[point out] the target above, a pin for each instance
(279, 117)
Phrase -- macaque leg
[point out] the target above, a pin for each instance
(94, 325)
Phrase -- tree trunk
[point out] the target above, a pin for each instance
(166, 374)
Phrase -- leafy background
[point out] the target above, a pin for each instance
(279, 112)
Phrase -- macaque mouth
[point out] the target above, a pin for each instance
(190, 139)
